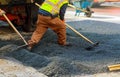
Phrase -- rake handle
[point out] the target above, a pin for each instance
(79, 34)
(77, 8)
(15, 29)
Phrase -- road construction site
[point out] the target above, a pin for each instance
(53, 60)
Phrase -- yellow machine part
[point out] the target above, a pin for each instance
(4, 2)
(28, 1)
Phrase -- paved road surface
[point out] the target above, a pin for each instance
(103, 13)
(106, 14)
(115, 11)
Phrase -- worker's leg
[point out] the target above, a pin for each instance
(39, 32)
(79, 12)
(76, 13)
(60, 29)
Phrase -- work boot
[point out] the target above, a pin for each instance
(30, 45)
(67, 44)
(29, 48)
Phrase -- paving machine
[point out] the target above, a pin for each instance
(22, 13)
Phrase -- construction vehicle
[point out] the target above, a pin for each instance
(22, 13)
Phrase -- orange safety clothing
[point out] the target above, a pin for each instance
(45, 22)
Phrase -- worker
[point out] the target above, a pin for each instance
(77, 5)
(51, 15)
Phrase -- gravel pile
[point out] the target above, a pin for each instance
(58, 61)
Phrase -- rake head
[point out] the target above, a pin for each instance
(91, 47)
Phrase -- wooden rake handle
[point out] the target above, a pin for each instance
(79, 34)
(14, 28)
(83, 10)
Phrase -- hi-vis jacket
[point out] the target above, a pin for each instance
(53, 6)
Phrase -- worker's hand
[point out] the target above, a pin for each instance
(2, 12)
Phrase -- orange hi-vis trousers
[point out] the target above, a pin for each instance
(45, 22)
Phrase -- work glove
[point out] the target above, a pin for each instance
(2, 12)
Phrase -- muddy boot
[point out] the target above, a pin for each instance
(30, 45)
(68, 44)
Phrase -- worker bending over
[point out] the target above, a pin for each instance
(51, 15)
